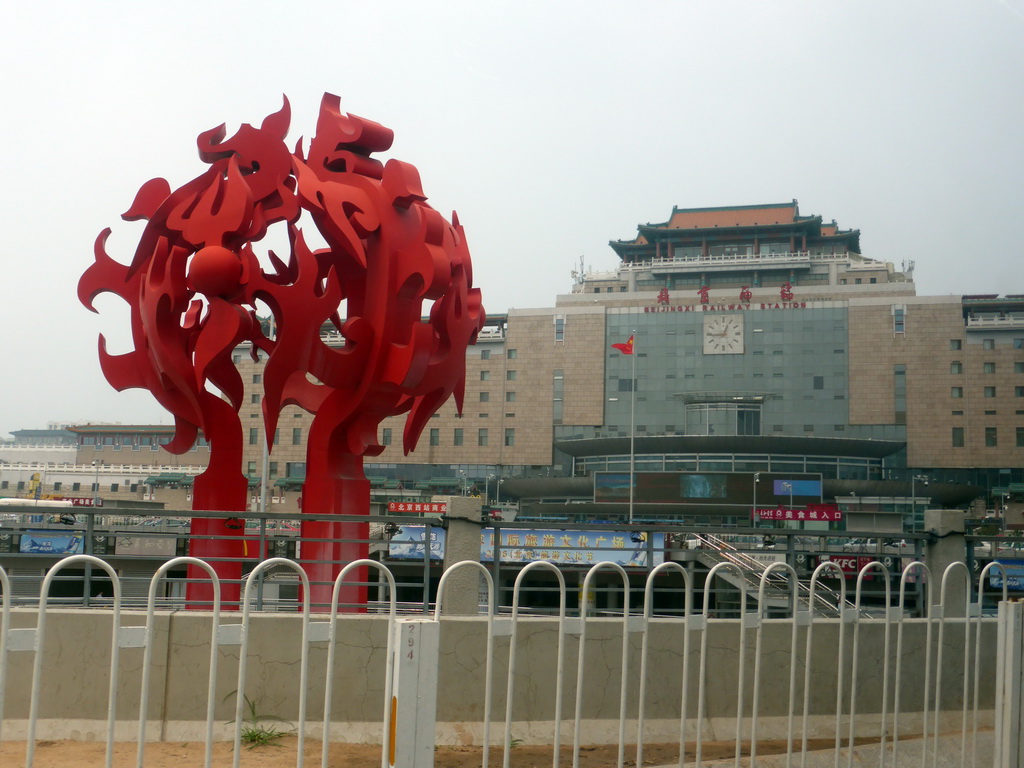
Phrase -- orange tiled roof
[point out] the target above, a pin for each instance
(745, 216)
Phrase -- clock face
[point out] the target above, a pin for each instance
(723, 334)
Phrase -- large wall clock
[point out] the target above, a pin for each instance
(723, 334)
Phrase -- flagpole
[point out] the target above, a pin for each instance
(632, 431)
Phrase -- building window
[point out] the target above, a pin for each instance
(956, 367)
(254, 399)
(988, 343)
(991, 437)
(254, 436)
(485, 375)
(1018, 343)
(485, 354)
(1018, 391)
(435, 436)
(1018, 367)
(819, 382)
(510, 397)
(385, 436)
(481, 437)
(272, 468)
(559, 327)
(56, 486)
(250, 468)
(990, 391)
(458, 438)
(510, 375)
(955, 344)
(510, 437)
(956, 391)
(899, 314)
(74, 486)
(625, 385)
(277, 436)
(257, 378)
(114, 487)
(1020, 437)
(958, 437)
(485, 397)
(988, 367)
(511, 354)
(296, 435)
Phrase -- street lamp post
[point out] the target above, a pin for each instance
(632, 428)
(913, 496)
(96, 463)
(90, 522)
(787, 486)
(753, 511)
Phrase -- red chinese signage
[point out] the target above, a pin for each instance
(814, 512)
(427, 507)
(80, 501)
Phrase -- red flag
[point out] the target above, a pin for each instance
(627, 348)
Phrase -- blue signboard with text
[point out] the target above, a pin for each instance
(50, 543)
(628, 549)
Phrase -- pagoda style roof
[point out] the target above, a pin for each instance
(733, 216)
(722, 222)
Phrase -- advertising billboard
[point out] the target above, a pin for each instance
(794, 489)
(528, 545)
(1014, 575)
(50, 543)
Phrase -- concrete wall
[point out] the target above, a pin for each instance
(76, 661)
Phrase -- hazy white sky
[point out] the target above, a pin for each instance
(552, 127)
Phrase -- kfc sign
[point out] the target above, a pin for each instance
(851, 565)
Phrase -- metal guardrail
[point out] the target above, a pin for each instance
(953, 644)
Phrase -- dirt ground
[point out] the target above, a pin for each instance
(77, 754)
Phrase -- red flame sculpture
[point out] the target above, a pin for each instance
(193, 285)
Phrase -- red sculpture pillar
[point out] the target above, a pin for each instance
(328, 545)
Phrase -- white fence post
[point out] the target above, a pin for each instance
(414, 693)
(1010, 686)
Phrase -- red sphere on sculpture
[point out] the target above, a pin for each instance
(215, 271)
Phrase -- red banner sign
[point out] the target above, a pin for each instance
(80, 501)
(426, 507)
(815, 512)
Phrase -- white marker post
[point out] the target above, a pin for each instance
(414, 694)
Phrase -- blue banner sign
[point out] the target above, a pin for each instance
(1014, 575)
(48, 543)
(407, 544)
(630, 550)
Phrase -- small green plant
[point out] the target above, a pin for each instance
(254, 731)
(514, 743)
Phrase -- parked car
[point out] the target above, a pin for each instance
(856, 545)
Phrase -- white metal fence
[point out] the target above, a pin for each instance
(794, 674)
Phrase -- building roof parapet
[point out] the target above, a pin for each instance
(1007, 322)
(103, 467)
